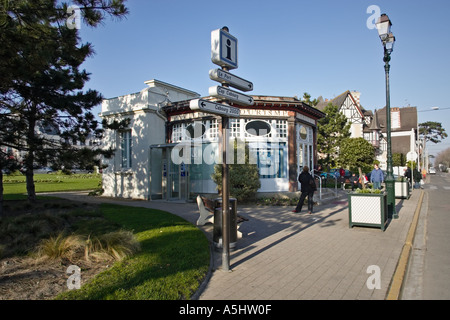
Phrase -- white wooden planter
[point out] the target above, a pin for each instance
(402, 190)
(367, 209)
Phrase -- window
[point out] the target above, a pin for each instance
(125, 146)
(270, 159)
(195, 130)
(213, 128)
(177, 132)
(235, 127)
(281, 127)
(258, 128)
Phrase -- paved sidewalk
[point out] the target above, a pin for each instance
(285, 255)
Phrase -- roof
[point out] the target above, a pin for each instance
(339, 101)
(407, 118)
(260, 102)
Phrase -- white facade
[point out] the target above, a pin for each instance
(127, 172)
(169, 151)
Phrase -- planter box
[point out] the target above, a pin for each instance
(402, 190)
(368, 210)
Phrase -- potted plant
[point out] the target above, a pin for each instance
(367, 207)
(402, 188)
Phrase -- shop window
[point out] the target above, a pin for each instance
(258, 128)
(195, 130)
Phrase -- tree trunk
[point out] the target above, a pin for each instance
(1, 193)
(29, 159)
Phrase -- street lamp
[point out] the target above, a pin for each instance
(387, 38)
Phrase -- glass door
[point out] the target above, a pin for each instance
(174, 181)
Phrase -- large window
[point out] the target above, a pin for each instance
(125, 146)
(270, 158)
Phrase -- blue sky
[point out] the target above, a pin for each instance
(286, 48)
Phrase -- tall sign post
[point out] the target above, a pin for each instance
(224, 53)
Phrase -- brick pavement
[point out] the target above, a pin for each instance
(284, 255)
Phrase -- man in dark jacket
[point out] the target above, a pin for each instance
(308, 186)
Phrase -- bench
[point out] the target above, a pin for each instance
(207, 207)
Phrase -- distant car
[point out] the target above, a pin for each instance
(42, 170)
(82, 171)
(332, 173)
(432, 170)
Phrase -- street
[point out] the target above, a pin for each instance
(428, 275)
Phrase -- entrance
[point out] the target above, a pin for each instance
(168, 181)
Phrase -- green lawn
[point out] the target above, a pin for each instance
(173, 260)
(174, 256)
(15, 184)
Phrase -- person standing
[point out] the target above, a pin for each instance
(308, 186)
(354, 181)
(376, 177)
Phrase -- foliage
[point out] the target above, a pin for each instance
(432, 131)
(173, 259)
(368, 190)
(243, 178)
(116, 245)
(307, 99)
(398, 159)
(41, 84)
(356, 153)
(443, 158)
(332, 130)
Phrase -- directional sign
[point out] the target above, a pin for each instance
(218, 91)
(234, 81)
(213, 107)
(224, 49)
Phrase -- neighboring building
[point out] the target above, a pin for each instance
(170, 151)
(349, 105)
(404, 132)
(372, 126)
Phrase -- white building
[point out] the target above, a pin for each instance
(164, 129)
(127, 174)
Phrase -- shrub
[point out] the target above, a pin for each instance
(374, 191)
(61, 246)
(243, 178)
(116, 245)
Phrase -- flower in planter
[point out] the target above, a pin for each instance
(374, 191)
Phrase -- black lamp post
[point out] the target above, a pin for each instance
(388, 40)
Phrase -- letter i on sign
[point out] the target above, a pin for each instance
(228, 49)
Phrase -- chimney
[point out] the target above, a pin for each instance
(356, 95)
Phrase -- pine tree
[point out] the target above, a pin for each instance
(332, 130)
(41, 84)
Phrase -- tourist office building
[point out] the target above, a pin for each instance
(169, 151)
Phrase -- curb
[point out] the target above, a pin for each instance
(400, 271)
(201, 288)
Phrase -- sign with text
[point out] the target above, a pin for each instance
(214, 107)
(230, 79)
(218, 91)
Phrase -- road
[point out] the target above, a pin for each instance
(428, 276)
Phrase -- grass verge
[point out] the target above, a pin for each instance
(173, 259)
(173, 256)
